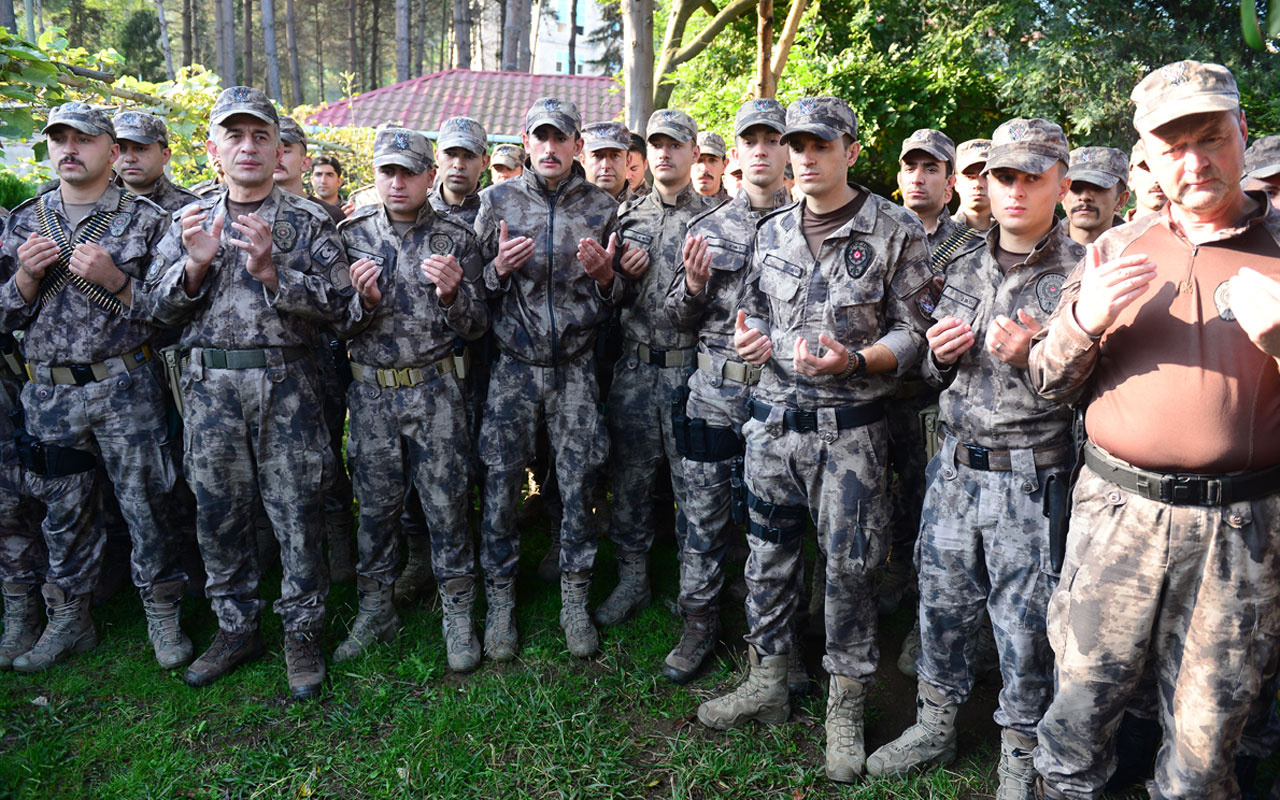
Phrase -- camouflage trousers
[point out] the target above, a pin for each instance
(907, 459)
(122, 420)
(334, 370)
(838, 477)
(522, 397)
(23, 558)
(640, 438)
(708, 502)
(1196, 590)
(255, 434)
(984, 545)
(415, 435)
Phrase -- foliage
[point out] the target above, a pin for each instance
(13, 190)
(139, 42)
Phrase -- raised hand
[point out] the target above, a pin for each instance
(752, 344)
(833, 363)
(1107, 289)
(949, 338)
(1011, 342)
(364, 278)
(512, 253)
(257, 243)
(446, 273)
(697, 263)
(597, 260)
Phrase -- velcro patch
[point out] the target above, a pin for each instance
(325, 252)
(725, 244)
(782, 265)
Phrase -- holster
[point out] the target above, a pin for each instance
(1057, 509)
(175, 356)
(680, 421)
(47, 460)
(738, 492)
(342, 361)
(929, 429)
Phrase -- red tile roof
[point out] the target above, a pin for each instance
(498, 100)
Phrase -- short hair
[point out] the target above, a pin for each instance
(330, 161)
(638, 145)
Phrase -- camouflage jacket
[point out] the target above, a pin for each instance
(167, 194)
(464, 213)
(987, 401)
(233, 309)
(947, 226)
(409, 327)
(712, 313)
(649, 224)
(863, 289)
(548, 311)
(70, 328)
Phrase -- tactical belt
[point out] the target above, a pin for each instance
(392, 378)
(81, 374)
(802, 421)
(784, 523)
(57, 276)
(737, 371)
(698, 441)
(664, 358)
(975, 456)
(943, 254)
(1183, 489)
(214, 358)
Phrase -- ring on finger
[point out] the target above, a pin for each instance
(997, 346)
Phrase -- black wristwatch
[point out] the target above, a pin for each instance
(857, 366)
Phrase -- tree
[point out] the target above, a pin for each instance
(608, 36)
(637, 61)
(138, 44)
(462, 33)
(248, 43)
(295, 73)
(188, 24)
(515, 36)
(8, 20)
(675, 51)
(402, 40)
(573, 37)
(164, 40)
(269, 45)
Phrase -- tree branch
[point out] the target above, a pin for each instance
(787, 37)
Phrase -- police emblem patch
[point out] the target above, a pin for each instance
(1048, 290)
(551, 104)
(284, 236)
(857, 257)
(120, 224)
(1222, 301)
(240, 94)
(129, 118)
(1088, 155)
(762, 105)
(806, 106)
(1018, 131)
(401, 141)
(440, 244)
(1175, 74)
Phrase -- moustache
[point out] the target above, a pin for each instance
(1084, 207)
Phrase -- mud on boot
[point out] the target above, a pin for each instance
(376, 620)
(500, 636)
(21, 621)
(579, 634)
(697, 640)
(227, 651)
(163, 609)
(846, 750)
(304, 660)
(928, 743)
(762, 696)
(70, 630)
(462, 649)
(632, 592)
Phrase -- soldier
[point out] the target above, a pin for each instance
(604, 158)
(144, 152)
(463, 159)
(705, 298)
(926, 178)
(326, 179)
(708, 170)
(732, 177)
(656, 361)
(74, 260)
(971, 184)
(553, 284)
(23, 558)
(507, 162)
(1262, 167)
(1173, 559)
(294, 162)
(1098, 192)
(984, 539)
(408, 264)
(247, 271)
(839, 277)
(637, 164)
(1148, 197)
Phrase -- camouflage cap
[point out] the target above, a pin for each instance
(670, 122)
(81, 116)
(140, 127)
(243, 100)
(1138, 156)
(463, 132)
(606, 136)
(1181, 89)
(765, 111)
(508, 155)
(711, 144)
(971, 153)
(291, 132)
(404, 147)
(1262, 159)
(934, 142)
(561, 114)
(1027, 145)
(825, 117)
(1101, 166)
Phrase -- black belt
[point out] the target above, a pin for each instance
(215, 358)
(806, 421)
(1184, 489)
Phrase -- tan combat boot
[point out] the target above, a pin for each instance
(21, 621)
(632, 592)
(376, 620)
(171, 645)
(846, 752)
(579, 634)
(930, 742)
(500, 637)
(415, 579)
(1016, 771)
(457, 596)
(762, 696)
(304, 661)
(342, 547)
(70, 630)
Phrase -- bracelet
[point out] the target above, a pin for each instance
(123, 286)
(857, 366)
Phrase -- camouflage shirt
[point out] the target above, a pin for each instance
(863, 289)
(987, 401)
(70, 328)
(409, 327)
(648, 223)
(547, 312)
(167, 194)
(233, 309)
(465, 212)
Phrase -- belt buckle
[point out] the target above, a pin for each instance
(387, 378)
(81, 373)
(657, 357)
(1179, 490)
(805, 421)
(979, 457)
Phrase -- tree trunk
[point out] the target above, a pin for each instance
(573, 37)
(402, 40)
(764, 50)
(637, 61)
(8, 18)
(372, 40)
(220, 32)
(164, 40)
(442, 61)
(353, 66)
(420, 36)
(515, 36)
(462, 32)
(248, 43)
(675, 51)
(785, 40)
(319, 58)
(269, 46)
(291, 36)
(188, 25)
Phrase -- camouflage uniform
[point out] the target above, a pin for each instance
(144, 128)
(255, 425)
(465, 212)
(23, 558)
(167, 194)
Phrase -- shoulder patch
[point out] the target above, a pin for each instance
(120, 224)
(325, 251)
(1049, 290)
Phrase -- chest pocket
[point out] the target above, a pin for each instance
(956, 302)
(726, 255)
(856, 308)
(780, 278)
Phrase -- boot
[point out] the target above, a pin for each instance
(697, 640)
(376, 620)
(797, 673)
(500, 636)
(416, 577)
(462, 649)
(896, 582)
(21, 622)
(342, 549)
(172, 647)
(549, 566)
(1017, 772)
(632, 592)
(305, 664)
(846, 752)
(579, 633)
(762, 696)
(70, 630)
(910, 651)
(228, 651)
(930, 742)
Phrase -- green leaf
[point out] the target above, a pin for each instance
(1249, 24)
(41, 150)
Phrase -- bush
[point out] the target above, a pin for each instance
(13, 190)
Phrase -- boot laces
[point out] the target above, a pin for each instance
(1016, 773)
(162, 624)
(841, 714)
(303, 650)
(16, 614)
